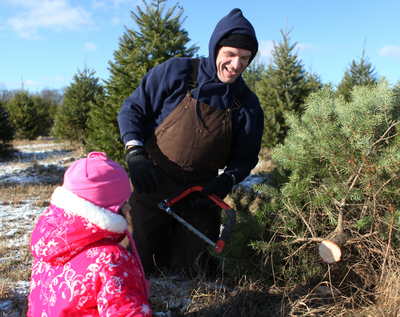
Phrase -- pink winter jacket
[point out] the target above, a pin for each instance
(79, 267)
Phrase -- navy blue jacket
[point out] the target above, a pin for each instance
(163, 88)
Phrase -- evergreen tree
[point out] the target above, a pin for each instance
(396, 93)
(286, 86)
(396, 89)
(72, 115)
(6, 131)
(254, 74)
(358, 74)
(29, 115)
(159, 37)
(49, 110)
(314, 81)
(338, 169)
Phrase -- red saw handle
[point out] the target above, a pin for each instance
(231, 213)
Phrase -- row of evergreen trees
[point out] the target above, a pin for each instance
(88, 114)
(25, 115)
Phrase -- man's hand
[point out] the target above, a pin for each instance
(145, 176)
(220, 186)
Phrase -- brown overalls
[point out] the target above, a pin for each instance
(189, 149)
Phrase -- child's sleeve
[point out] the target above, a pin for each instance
(120, 289)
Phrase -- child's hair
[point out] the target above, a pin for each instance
(104, 183)
(98, 180)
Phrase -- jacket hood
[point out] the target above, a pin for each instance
(70, 224)
(233, 23)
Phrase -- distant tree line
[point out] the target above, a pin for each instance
(26, 115)
(53, 95)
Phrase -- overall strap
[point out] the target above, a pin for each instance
(238, 102)
(192, 81)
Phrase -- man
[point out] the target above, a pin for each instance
(180, 126)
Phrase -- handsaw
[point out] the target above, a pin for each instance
(167, 203)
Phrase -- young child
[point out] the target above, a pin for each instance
(79, 268)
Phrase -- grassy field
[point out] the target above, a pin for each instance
(26, 185)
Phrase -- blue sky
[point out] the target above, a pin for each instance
(45, 42)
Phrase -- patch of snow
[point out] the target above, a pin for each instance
(249, 182)
(18, 222)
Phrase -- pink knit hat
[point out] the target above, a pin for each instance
(104, 183)
(98, 180)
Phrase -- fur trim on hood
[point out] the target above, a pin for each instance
(101, 217)
(70, 224)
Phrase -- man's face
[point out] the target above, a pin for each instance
(231, 62)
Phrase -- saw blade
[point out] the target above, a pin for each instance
(193, 229)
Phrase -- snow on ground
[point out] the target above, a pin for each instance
(35, 164)
(39, 163)
(17, 219)
(23, 170)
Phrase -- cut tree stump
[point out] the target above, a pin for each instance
(330, 248)
(329, 252)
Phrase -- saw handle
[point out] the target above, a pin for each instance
(231, 213)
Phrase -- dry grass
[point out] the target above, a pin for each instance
(176, 296)
(15, 266)
(18, 194)
(16, 259)
(388, 295)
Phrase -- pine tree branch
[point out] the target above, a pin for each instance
(382, 138)
(297, 239)
(300, 216)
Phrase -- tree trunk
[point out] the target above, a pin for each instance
(330, 249)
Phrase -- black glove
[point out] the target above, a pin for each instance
(220, 186)
(145, 176)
